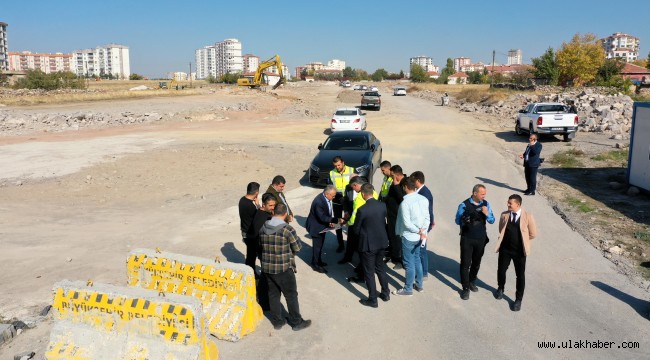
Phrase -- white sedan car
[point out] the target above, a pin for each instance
(399, 91)
(348, 119)
(373, 88)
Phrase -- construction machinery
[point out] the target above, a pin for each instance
(258, 79)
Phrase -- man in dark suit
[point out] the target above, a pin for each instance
(531, 163)
(321, 217)
(370, 229)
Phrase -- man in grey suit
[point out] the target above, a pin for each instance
(370, 228)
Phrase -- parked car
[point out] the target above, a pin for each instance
(547, 118)
(373, 88)
(346, 83)
(356, 87)
(348, 119)
(371, 99)
(359, 149)
(363, 87)
(399, 91)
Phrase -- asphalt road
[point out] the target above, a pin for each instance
(573, 294)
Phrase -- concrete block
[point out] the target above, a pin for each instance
(111, 322)
(226, 290)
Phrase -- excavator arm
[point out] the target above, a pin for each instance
(259, 74)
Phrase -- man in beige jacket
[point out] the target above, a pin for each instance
(516, 229)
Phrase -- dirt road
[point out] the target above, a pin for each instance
(73, 205)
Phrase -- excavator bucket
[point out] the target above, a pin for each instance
(280, 82)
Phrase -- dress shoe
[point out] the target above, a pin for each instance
(526, 191)
(403, 292)
(384, 297)
(340, 249)
(322, 263)
(355, 279)
(343, 261)
(473, 287)
(532, 193)
(417, 288)
(498, 294)
(368, 302)
(279, 326)
(464, 294)
(517, 305)
(302, 325)
(319, 269)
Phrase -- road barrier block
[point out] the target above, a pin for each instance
(227, 290)
(110, 322)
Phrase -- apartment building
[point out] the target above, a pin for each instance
(181, 76)
(621, 45)
(4, 50)
(111, 59)
(220, 59)
(336, 64)
(461, 61)
(514, 57)
(251, 63)
(478, 67)
(206, 62)
(47, 63)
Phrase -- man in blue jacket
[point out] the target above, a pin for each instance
(531, 163)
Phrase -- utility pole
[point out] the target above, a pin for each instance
(190, 74)
(492, 77)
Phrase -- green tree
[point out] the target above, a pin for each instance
(647, 62)
(135, 76)
(610, 69)
(379, 75)
(229, 78)
(418, 74)
(401, 74)
(546, 67)
(580, 59)
(447, 71)
(475, 77)
(348, 73)
(211, 79)
(37, 79)
(360, 74)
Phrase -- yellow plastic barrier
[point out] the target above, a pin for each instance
(226, 290)
(110, 322)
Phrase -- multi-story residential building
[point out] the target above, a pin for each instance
(315, 66)
(299, 70)
(336, 64)
(251, 63)
(421, 60)
(206, 62)
(479, 67)
(48, 63)
(460, 61)
(111, 59)
(219, 59)
(620, 45)
(229, 58)
(514, 57)
(4, 49)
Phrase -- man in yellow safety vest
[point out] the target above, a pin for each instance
(388, 180)
(340, 177)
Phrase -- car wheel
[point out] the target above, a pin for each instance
(566, 138)
(518, 129)
(378, 108)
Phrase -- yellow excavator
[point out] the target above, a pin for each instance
(258, 80)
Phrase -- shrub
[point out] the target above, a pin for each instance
(37, 79)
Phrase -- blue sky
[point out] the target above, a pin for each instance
(163, 35)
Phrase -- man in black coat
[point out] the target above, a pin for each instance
(531, 163)
(370, 228)
(321, 217)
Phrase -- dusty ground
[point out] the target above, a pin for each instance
(84, 213)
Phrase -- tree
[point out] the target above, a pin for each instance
(37, 79)
(475, 77)
(418, 74)
(230, 78)
(580, 59)
(647, 62)
(379, 75)
(348, 73)
(608, 71)
(360, 74)
(446, 72)
(135, 76)
(546, 67)
(211, 79)
(401, 74)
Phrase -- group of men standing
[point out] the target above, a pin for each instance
(389, 226)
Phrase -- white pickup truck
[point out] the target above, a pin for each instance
(547, 118)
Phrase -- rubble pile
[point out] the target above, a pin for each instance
(610, 114)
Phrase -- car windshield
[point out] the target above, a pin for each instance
(346, 143)
(371, 93)
(400, 88)
(551, 108)
(346, 112)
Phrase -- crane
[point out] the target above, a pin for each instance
(258, 79)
